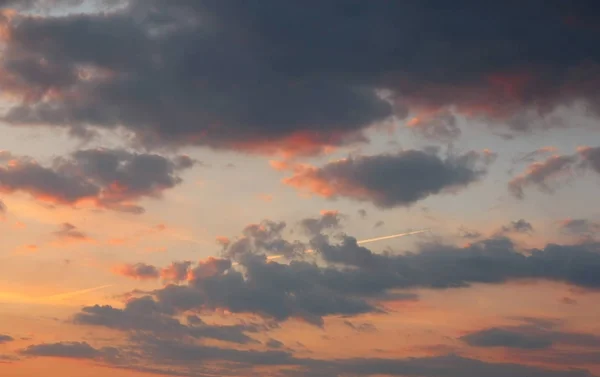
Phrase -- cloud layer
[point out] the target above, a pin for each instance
(226, 75)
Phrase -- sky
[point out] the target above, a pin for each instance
(298, 188)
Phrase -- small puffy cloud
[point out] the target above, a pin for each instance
(327, 220)
(518, 226)
(111, 179)
(70, 233)
(138, 271)
(5, 338)
(391, 180)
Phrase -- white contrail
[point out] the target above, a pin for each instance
(53, 299)
(360, 242)
(392, 236)
(62, 296)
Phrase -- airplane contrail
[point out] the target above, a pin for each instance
(26, 299)
(61, 296)
(392, 236)
(360, 242)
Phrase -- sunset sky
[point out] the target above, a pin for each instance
(199, 187)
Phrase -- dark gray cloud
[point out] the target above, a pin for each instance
(274, 343)
(361, 327)
(518, 226)
(355, 280)
(189, 359)
(362, 213)
(327, 220)
(497, 337)
(5, 338)
(268, 238)
(392, 180)
(226, 74)
(73, 350)
(145, 315)
(532, 335)
(112, 179)
(582, 227)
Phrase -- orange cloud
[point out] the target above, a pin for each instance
(138, 271)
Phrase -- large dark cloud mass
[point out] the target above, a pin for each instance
(353, 279)
(391, 180)
(286, 76)
(112, 179)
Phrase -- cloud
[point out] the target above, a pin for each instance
(548, 173)
(7, 359)
(496, 337)
(267, 237)
(301, 91)
(163, 356)
(530, 336)
(469, 234)
(138, 271)
(176, 272)
(144, 314)
(274, 343)
(73, 350)
(519, 226)
(327, 220)
(582, 227)
(438, 126)
(111, 179)
(5, 338)
(391, 180)
(353, 280)
(542, 174)
(70, 233)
